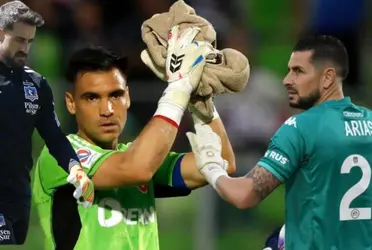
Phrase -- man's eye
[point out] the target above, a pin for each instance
(117, 95)
(91, 98)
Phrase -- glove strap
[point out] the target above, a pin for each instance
(173, 102)
(211, 172)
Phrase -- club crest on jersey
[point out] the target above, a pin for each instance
(2, 220)
(143, 188)
(31, 93)
(83, 155)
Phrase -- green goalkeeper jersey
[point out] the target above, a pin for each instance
(120, 218)
(324, 155)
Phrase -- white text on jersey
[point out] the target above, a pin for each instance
(358, 128)
(110, 213)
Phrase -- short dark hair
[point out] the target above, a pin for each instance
(94, 59)
(326, 48)
(16, 11)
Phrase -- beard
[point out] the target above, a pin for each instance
(306, 102)
(16, 61)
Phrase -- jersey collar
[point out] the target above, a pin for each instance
(343, 101)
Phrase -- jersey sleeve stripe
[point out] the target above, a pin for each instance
(271, 170)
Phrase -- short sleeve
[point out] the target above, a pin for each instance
(164, 175)
(90, 157)
(52, 176)
(285, 152)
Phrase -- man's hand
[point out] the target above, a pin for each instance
(186, 57)
(185, 62)
(206, 146)
(84, 192)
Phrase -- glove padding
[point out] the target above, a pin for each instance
(84, 192)
(206, 146)
(186, 57)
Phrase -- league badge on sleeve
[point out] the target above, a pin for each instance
(87, 157)
(31, 93)
(83, 155)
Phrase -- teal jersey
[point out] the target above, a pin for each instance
(120, 218)
(323, 156)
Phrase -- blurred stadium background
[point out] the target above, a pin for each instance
(264, 30)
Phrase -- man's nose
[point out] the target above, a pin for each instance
(25, 47)
(287, 80)
(106, 108)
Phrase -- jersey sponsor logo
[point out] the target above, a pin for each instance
(111, 213)
(4, 234)
(83, 155)
(30, 93)
(31, 108)
(143, 188)
(277, 157)
(353, 114)
(86, 156)
(291, 122)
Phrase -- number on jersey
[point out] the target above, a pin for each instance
(360, 213)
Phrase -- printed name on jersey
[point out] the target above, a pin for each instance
(291, 121)
(276, 156)
(358, 128)
(87, 156)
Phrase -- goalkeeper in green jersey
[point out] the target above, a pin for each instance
(323, 155)
(123, 215)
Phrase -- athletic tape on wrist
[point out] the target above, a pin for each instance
(212, 171)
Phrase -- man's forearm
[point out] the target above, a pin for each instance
(151, 147)
(236, 191)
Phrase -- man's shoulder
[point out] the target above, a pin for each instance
(36, 77)
(88, 153)
(78, 142)
(305, 119)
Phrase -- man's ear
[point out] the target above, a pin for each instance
(127, 97)
(70, 103)
(329, 77)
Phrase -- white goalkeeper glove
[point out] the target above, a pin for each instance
(184, 66)
(84, 192)
(206, 146)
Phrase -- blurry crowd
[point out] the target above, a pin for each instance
(264, 30)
